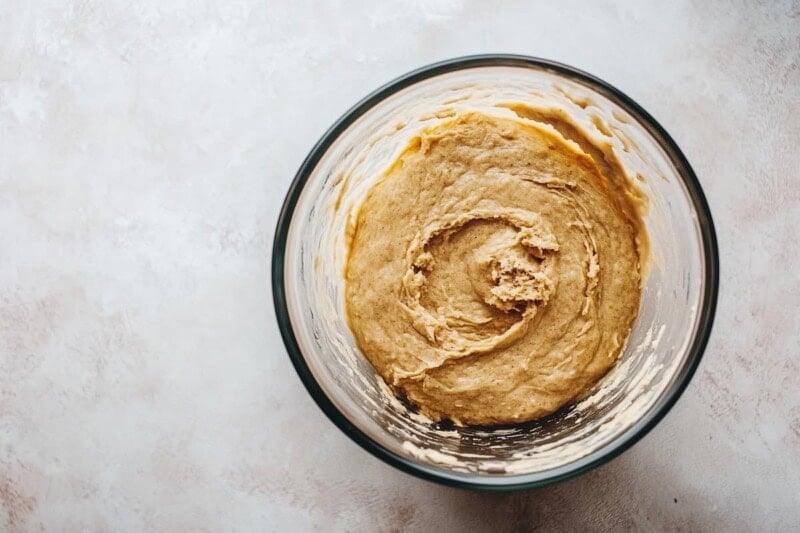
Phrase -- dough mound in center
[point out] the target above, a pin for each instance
(494, 272)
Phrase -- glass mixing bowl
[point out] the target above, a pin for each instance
(665, 345)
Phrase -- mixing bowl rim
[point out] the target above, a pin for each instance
(684, 169)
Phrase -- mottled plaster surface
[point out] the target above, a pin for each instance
(145, 148)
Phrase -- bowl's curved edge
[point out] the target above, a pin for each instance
(708, 233)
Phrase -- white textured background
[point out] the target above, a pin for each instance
(145, 148)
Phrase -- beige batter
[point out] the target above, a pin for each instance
(494, 270)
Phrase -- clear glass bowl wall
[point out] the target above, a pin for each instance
(655, 361)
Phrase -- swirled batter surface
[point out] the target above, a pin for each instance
(494, 270)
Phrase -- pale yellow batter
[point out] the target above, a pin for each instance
(494, 270)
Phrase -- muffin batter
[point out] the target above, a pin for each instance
(494, 270)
